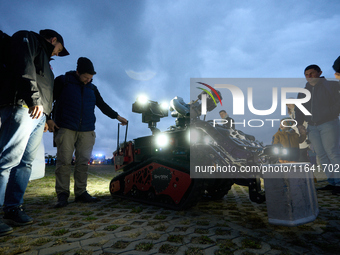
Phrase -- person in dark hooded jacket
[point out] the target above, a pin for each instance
(25, 99)
(323, 123)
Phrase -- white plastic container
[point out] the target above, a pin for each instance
(291, 197)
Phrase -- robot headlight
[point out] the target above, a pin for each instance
(196, 136)
(284, 151)
(162, 140)
(164, 106)
(142, 99)
(276, 151)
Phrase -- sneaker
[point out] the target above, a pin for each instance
(62, 200)
(86, 198)
(328, 187)
(336, 191)
(5, 229)
(16, 216)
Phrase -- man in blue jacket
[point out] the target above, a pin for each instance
(25, 99)
(323, 124)
(74, 120)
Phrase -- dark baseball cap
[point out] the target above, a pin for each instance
(48, 33)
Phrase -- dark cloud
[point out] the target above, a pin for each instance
(179, 40)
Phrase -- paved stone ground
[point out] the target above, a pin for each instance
(233, 225)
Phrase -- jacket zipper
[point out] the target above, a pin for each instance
(81, 111)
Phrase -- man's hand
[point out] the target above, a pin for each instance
(36, 111)
(52, 126)
(122, 120)
(45, 128)
(302, 129)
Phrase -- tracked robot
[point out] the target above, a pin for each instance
(156, 169)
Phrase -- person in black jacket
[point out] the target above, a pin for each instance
(74, 120)
(25, 99)
(323, 123)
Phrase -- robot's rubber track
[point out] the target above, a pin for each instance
(137, 184)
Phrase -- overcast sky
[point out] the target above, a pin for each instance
(162, 44)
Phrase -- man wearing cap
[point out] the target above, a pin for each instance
(323, 123)
(25, 99)
(74, 124)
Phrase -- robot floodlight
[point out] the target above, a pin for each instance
(151, 111)
(275, 150)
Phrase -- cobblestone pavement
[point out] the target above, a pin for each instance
(233, 225)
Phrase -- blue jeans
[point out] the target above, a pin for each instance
(20, 137)
(325, 139)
